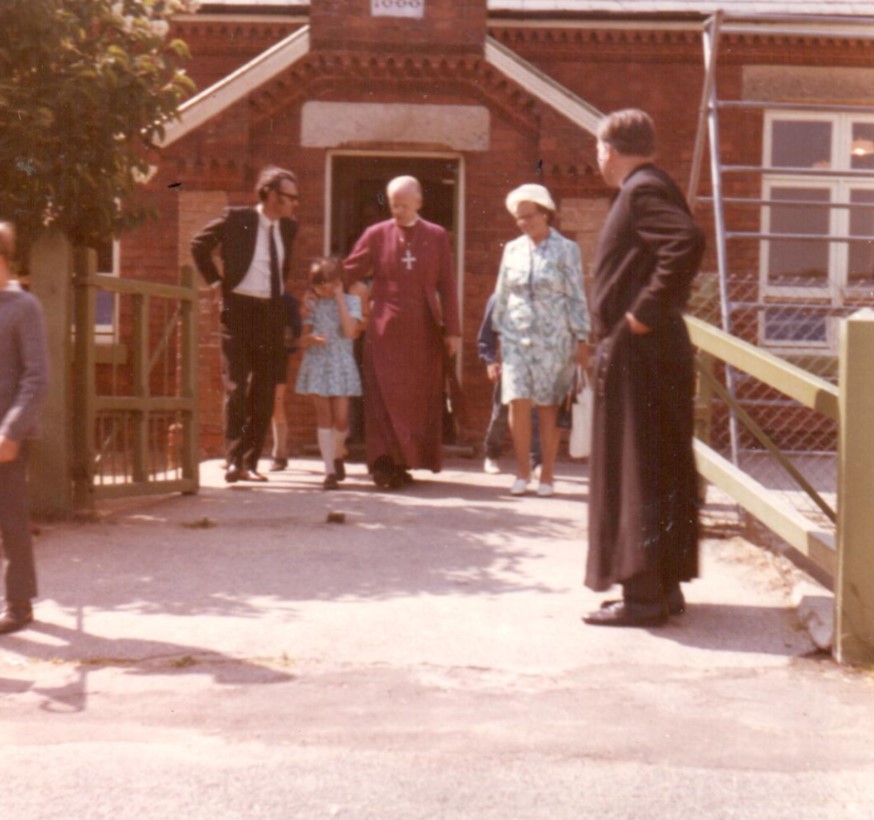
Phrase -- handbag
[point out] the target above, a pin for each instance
(580, 441)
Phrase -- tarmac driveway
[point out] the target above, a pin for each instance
(234, 655)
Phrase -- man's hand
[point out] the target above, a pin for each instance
(493, 371)
(452, 343)
(637, 328)
(8, 449)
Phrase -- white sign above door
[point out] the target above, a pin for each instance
(398, 8)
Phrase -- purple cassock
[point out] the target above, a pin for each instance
(414, 305)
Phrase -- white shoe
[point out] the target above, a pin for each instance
(491, 466)
(520, 486)
(545, 490)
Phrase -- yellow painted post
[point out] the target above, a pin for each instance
(84, 421)
(51, 273)
(854, 587)
(140, 309)
(190, 426)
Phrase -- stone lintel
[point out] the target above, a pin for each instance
(336, 124)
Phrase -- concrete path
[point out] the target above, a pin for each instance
(233, 655)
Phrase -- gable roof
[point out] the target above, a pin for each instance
(692, 8)
(263, 68)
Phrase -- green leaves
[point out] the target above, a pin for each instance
(86, 87)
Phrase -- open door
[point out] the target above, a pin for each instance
(358, 194)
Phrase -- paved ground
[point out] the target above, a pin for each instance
(232, 655)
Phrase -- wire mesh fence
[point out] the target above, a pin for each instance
(802, 331)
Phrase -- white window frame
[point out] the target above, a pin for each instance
(108, 333)
(836, 284)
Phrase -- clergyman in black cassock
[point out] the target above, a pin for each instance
(643, 516)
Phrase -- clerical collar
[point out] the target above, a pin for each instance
(408, 227)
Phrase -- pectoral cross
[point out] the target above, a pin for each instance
(408, 259)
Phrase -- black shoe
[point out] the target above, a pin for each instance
(17, 616)
(339, 469)
(617, 614)
(253, 475)
(278, 465)
(384, 474)
(676, 606)
(330, 482)
(233, 474)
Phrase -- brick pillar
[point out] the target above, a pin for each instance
(399, 26)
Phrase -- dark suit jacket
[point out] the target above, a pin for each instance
(235, 233)
(649, 253)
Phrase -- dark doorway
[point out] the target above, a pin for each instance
(358, 193)
(358, 200)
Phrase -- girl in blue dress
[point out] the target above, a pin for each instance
(328, 373)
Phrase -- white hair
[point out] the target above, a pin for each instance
(402, 183)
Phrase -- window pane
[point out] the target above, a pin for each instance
(801, 144)
(105, 309)
(861, 265)
(799, 263)
(104, 257)
(795, 325)
(862, 147)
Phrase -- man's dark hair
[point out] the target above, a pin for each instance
(630, 131)
(270, 178)
(7, 240)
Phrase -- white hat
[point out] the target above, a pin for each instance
(530, 193)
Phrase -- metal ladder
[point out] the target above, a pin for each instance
(708, 133)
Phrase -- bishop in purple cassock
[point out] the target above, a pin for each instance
(414, 313)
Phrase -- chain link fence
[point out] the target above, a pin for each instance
(803, 332)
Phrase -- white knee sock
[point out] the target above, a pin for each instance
(340, 443)
(326, 447)
(280, 437)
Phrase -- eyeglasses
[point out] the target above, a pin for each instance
(318, 279)
(292, 197)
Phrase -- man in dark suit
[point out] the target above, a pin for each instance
(643, 517)
(255, 248)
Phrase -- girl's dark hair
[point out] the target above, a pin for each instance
(325, 269)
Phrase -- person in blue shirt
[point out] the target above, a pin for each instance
(23, 387)
(498, 428)
(279, 422)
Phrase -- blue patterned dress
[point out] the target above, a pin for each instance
(329, 369)
(540, 313)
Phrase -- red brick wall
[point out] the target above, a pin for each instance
(448, 26)
(660, 71)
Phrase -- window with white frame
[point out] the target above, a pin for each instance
(821, 165)
(108, 263)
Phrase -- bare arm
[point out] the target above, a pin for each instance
(348, 323)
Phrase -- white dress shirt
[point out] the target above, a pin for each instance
(256, 282)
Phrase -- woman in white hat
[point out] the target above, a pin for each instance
(543, 321)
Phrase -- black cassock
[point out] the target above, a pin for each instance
(643, 504)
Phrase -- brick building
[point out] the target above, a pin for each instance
(476, 97)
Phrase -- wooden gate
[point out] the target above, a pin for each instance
(134, 382)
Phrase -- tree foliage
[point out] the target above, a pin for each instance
(86, 87)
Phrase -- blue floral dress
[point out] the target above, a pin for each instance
(329, 369)
(540, 313)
